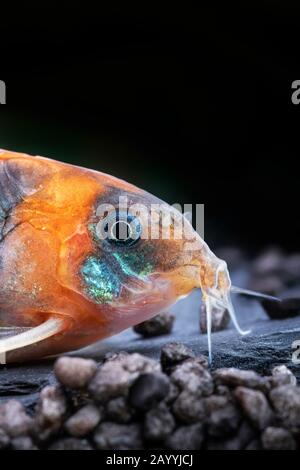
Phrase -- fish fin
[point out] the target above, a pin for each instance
(251, 293)
(32, 335)
(7, 331)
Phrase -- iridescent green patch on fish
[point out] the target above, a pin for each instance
(134, 264)
(101, 283)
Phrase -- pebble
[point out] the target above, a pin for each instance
(23, 443)
(186, 438)
(115, 376)
(283, 372)
(223, 417)
(119, 410)
(235, 377)
(83, 421)
(4, 439)
(255, 406)
(161, 324)
(223, 390)
(71, 443)
(74, 372)
(148, 390)
(189, 408)
(129, 403)
(50, 411)
(173, 394)
(193, 377)
(280, 309)
(159, 423)
(279, 380)
(286, 402)
(277, 439)
(220, 319)
(241, 439)
(111, 436)
(14, 420)
(174, 353)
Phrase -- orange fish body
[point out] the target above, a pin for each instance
(61, 287)
(84, 255)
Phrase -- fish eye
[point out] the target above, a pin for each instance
(122, 229)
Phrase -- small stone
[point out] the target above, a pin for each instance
(223, 390)
(113, 436)
(50, 411)
(119, 410)
(148, 390)
(223, 417)
(277, 439)
(286, 402)
(280, 309)
(83, 421)
(173, 394)
(74, 372)
(110, 381)
(192, 376)
(220, 319)
(159, 325)
(115, 376)
(189, 407)
(71, 443)
(115, 356)
(138, 364)
(14, 420)
(23, 443)
(174, 353)
(255, 406)
(279, 380)
(245, 378)
(239, 441)
(287, 373)
(159, 423)
(186, 438)
(4, 439)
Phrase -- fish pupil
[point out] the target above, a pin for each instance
(125, 229)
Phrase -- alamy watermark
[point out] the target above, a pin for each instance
(296, 352)
(2, 92)
(130, 222)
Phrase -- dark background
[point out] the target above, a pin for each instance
(191, 104)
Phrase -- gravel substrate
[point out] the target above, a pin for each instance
(130, 401)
